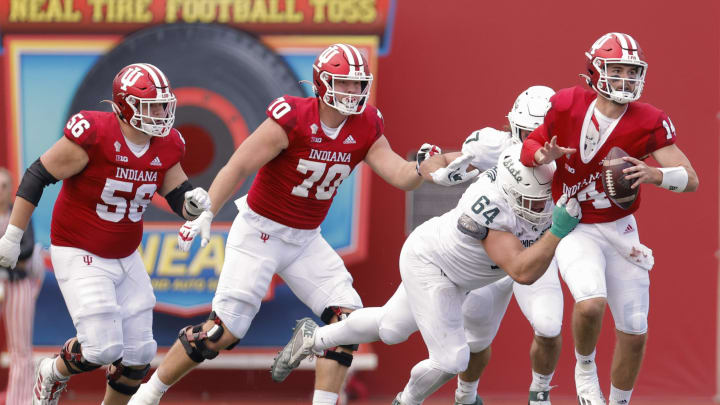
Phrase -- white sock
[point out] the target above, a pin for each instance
(361, 326)
(324, 398)
(466, 391)
(586, 363)
(618, 396)
(540, 382)
(56, 373)
(156, 383)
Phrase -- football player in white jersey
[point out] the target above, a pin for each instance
(541, 302)
(475, 244)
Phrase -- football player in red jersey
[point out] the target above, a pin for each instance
(302, 152)
(602, 261)
(111, 164)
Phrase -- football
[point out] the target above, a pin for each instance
(616, 186)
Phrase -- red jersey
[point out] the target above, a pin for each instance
(100, 209)
(641, 130)
(297, 187)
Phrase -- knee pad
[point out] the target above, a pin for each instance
(131, 373)
(548, 326)
(193, 339)
(71, 355)
(140, 353)
(345, 359)
(454, 360)
(327, 317)
(391, 336)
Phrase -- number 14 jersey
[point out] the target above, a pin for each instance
(297, 187)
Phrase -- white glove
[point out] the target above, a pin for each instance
(190, 229)
(455, 173)
(425, 151)
(10, 246)
(197, 201)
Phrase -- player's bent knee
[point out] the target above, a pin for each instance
(204, 341)
(592, 309)
(454, 361)
(478, 346)
(390, 336)
(71, 355)
(135, 374)
(548, 327)
(142, 353)
(102, 352)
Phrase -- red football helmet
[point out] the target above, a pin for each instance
(342, 62)
(143, 98)
(616, 48)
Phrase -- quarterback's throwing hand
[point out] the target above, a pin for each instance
(565, 217)
(190, 229)
(425, 151)
(456, 172)
(197, 201)
(10, 246)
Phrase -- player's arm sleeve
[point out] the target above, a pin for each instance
(379, 126)
(485, 146)
(27, 243)
(283, 111)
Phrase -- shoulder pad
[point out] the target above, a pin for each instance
(469, 227)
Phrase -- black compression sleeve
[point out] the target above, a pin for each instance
(176, 197)
(36, 178)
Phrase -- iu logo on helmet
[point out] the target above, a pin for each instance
(130, 77)
(327, 55)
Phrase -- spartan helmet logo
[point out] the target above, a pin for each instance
(130, 77)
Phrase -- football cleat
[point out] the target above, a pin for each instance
(298, 348)
(47, 387)
(588, 386)
(478, 401)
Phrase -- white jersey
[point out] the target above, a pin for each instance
(461, 257)
(485, 145)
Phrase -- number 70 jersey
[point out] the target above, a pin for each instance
(297, 187)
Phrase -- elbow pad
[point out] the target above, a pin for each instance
(36, 178)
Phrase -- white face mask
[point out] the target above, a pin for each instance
(153, 116)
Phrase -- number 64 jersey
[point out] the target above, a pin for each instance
(100, 209)
(461, 257)
(297, 187)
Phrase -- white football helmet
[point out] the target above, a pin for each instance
(529, 110)
(526, 189)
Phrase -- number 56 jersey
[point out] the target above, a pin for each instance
(297, 187)
(100, 209)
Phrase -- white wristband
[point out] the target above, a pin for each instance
(674, 178)
(13, 233)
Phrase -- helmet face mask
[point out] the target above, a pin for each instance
(529, 110)
(527, 190)
(333, 68)
(616, 49)
(142, 97)
(152, 116)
